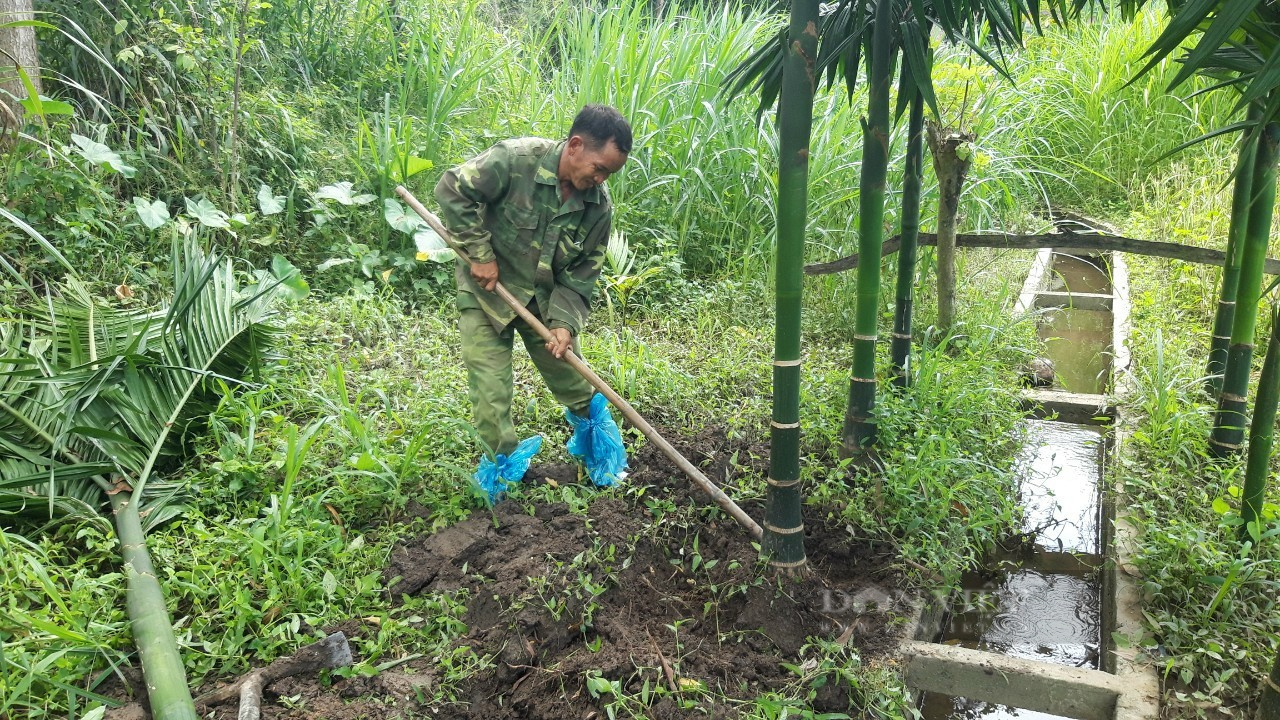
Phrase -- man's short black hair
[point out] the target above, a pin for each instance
(599, 124)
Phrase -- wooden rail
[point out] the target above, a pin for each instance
(1116, 243)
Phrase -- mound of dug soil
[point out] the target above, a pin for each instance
(569, 610)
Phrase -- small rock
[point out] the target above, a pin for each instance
(1039, 373)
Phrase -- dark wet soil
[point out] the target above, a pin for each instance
(620, 592)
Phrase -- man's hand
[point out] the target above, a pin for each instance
(560, 342)
(485, 274)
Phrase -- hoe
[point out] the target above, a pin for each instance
(578, 364)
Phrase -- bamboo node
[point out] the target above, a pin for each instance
(786, 363)
(796, 563)
(871, 338)
(784, 483)
(900, 336)
(784, 426)
(1233, 397)
(784, 531)
(864, 380)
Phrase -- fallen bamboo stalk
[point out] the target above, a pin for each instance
(578, 364)
(1115, 243)
(331, 652)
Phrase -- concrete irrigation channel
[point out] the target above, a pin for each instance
(1033, 636)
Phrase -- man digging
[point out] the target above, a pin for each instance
(535, 214)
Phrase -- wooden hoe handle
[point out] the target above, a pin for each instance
(578, 364)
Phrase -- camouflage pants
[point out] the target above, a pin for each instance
(487, 355)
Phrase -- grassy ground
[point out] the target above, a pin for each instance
(359, 439)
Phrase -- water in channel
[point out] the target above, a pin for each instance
(1078, 340)
(1042, 602)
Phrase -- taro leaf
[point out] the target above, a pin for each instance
(292, 286)
(152, 214)
(341, 192)
(406, 166)
(431, 246)
(268, 202)
(399, 219)
(333, 262)
(208, 215)
(99, 154)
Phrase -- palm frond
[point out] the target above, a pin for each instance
(90, 393)
(983, 25)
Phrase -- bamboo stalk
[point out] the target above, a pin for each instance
(162, 667)
(912, 182)
(784, 522)
(1262, 433)
(1225, 315)
(859, 420)
(577, 363)
(1230, 419)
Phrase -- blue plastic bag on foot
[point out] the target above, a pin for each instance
(493, 476)
(597, 443)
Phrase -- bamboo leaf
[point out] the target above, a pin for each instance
(1185, 21)
(1226, 21)
(918, 63)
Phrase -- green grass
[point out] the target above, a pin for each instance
(302, 485)
(1211, 614)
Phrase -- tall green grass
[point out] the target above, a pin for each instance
(1072, 113)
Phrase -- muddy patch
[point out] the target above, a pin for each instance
(649, 595)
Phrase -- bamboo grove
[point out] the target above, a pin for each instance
(873, 39)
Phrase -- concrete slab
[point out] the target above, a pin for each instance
(1077, 301)
(1035, 280)
(1083, 408)
(1058, 689)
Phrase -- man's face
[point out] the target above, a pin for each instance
(584, 167)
